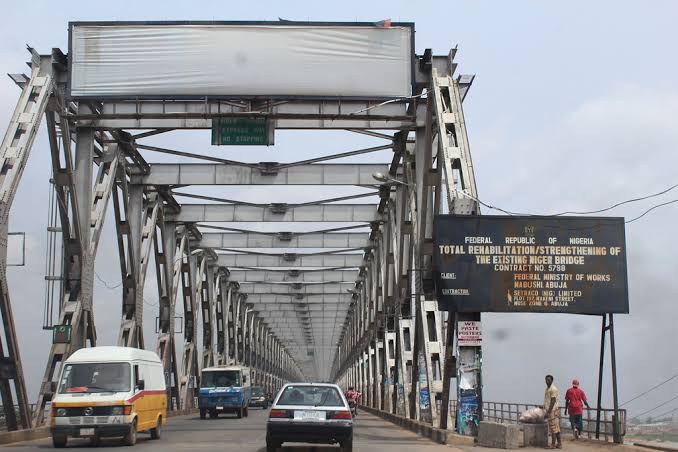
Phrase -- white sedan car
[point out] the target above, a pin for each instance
(310, 413)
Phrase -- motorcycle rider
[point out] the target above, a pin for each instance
(352, 396)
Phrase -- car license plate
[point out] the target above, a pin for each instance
(220, 407)
(86, 432)
(310, 415)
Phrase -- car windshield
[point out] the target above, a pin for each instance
(95, 377)
(257, 392)
(220, 378)
(311, 396)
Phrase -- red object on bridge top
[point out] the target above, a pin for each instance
(77, 389)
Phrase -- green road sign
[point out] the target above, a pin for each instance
(61, 334)
(242, 131)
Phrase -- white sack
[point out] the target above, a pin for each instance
(532, 416)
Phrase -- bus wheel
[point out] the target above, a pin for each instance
(59, 441)
(155, 432)
(130, 438)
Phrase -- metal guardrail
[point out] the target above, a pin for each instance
(3, 425)
(506, 412)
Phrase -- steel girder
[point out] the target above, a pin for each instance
(14, 153)
(398, 336)
(193, 213)
(290, 261)
(289, 240)
(290, 114)
(219, 174)
(293, 276)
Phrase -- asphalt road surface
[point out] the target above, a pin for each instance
(189, 433)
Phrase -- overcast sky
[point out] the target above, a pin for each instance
(573, 108)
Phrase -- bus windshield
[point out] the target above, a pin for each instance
(220, 378)
(95, 377)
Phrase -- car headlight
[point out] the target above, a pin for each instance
(117, 411)
(61, 412)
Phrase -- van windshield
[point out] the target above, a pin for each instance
(220, 378)
(95, 377)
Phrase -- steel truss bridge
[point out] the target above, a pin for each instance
(366, 289)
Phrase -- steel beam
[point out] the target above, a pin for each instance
(192, 213)
(294, 276)
(305, 299)
(220, 174)
(283, 240)
(290, 261)
(294, 114)
(294, 289)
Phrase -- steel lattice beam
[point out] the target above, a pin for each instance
(291, 261)
(283, 240)
(193, 213)
(219, 174)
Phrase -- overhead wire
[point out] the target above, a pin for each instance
(649, 390)
(658, 406)
(109, 286)
(628, 201)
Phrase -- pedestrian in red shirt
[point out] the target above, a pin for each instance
(575, 399)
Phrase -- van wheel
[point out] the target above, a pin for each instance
(130, 438)
(155, 432)
(95, 441)
(203, 413)
(59, 441)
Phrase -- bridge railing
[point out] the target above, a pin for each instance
(3, 425)
(507, 412)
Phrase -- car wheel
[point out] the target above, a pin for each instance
(130, 438)
(347, 445)
(271, 446)
(213, 414)
(203, 413)
(59, 441)
(239, 413)
(246, 412)
(155, 432)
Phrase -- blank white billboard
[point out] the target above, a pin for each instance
(194, 59)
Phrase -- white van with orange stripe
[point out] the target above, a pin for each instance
(109, 392)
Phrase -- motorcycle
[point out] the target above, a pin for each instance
(353, 406)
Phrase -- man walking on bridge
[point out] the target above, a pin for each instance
(551, 396)
(575, 399)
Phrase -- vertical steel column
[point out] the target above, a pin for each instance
(189, 364)
(208, 305)
(168, 261)
(14, 152)
(461, 194)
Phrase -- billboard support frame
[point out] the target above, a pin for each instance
(608, 326)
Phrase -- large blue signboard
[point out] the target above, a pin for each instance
(531, 264)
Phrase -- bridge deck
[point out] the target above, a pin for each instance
(249, 434)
